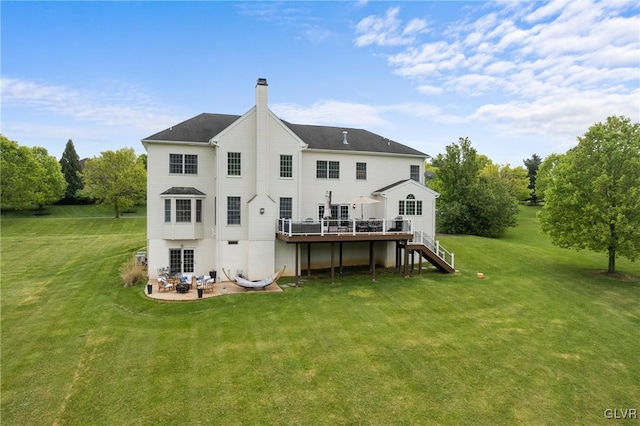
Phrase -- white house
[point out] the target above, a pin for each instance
(249, 193)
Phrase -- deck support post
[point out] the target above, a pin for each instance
(406, 259)
(372, 262)
(308, 259)
(340, 258)
(297, 265)
(333, 275)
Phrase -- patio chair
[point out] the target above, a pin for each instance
(164, 284)
(375, 225)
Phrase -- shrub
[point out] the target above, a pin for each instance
(133, 273)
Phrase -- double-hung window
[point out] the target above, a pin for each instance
(233, 211)
(234, 164)
(198, 211)
(414, 173)
(286, 207)
(361, 171)
(167, 210)
(327, 169)
(183, 164)
(183, 210)
(286, 166)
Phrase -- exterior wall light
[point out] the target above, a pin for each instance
(261, 210)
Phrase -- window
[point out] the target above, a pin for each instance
(334, 170)
(338, 211)
(415, 173)
(327, 169)
(286, 207)
(183, 164)
(183, 210)
(198, 211)
(167, 211)
(321, 169)
(175, 163)
(286, 166)
(190, 164)
(410, 206)
(181, 261)
(233, 210)
(234, 164)
(361, 171)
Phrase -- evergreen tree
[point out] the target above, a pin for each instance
(70, 163)
(532, 165)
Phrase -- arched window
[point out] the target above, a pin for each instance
(410, 206)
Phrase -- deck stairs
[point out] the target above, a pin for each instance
(432, 251)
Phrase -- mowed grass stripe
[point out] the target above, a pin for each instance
(542, 340)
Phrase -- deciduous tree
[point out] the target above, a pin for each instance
(593, 199)
(29, 176)
(18, 180)
(116, 178)
(49, 181)
(472, 202)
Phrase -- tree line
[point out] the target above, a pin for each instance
(590, 194)
(31, 177)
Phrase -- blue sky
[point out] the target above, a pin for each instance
(517, 78)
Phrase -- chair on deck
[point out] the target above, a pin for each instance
(375, 225)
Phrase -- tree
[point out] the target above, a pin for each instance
(472, 202)
(18, 181)
(545, 175)
(514, 178)
(50, 184)
(593, 199)
(116, 178)
(70, 163)
(532, 164)
(29, 176)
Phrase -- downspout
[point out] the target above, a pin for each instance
(216, 207)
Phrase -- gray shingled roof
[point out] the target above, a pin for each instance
(390, 186)
(200, 128)
(203, 127)
(182, 190)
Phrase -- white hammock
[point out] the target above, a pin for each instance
(254, 284)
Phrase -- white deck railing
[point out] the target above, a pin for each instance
(434, 245)
(344, 226)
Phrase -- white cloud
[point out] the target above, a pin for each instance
(430, 90)
(331, 112)
(529, 68)
(351, 114)
(388, 30)
(114, 104)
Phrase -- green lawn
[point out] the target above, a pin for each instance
(543, 339)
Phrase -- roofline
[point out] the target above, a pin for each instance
(384, 154)
(404, 183)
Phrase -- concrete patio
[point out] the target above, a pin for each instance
(219, 289)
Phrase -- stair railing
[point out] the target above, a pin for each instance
(434, 245)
